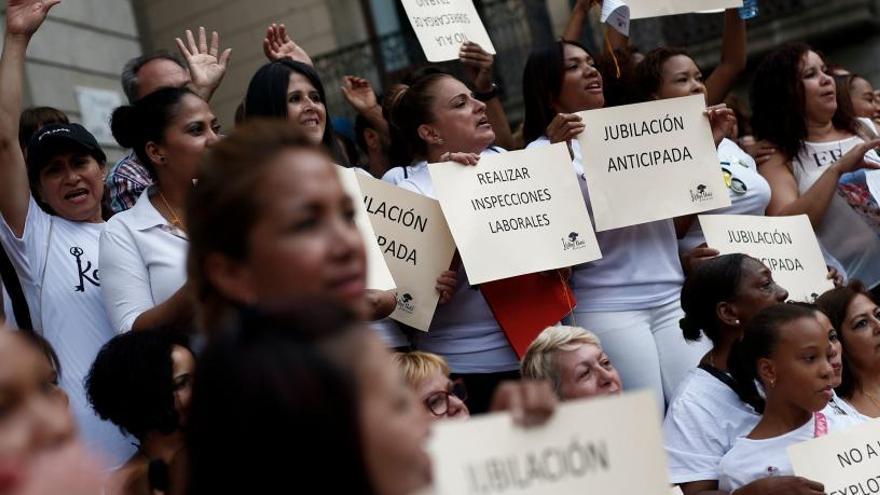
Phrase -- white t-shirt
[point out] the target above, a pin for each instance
(639, 269)
(844, 233)
(749, 191)
(702, 423)
(143, 262)
(396, 174)
(463, 331)
(750, 460)
(57, 264)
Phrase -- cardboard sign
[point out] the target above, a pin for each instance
(600, 445)
(516, 213)
(787, 245)
(847, 462)
(416, 243)
(655, 8)
(443, 25)
(651, 161)
(378, 275)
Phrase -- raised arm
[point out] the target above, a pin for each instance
(478, 67)
(23, 18)
(733, 58)
(207, 64)
(277, 45)
(785, 199)
(358, 92)
(575, 26)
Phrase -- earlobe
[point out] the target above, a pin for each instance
(230, 278)
(767, 373)
(727, 314)
(154, 152)
(428, 134)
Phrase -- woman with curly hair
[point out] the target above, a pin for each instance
(794, 106)
(141, 382)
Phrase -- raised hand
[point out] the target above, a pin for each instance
(207, 65)
(723, 121)
(477, 65)
(359, 94)
(277, 45)
(530, 402)
(564, 127)
(24, 17)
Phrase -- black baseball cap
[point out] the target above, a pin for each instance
(52, 138)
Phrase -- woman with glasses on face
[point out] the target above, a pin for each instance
(428, 375)
(530, 402)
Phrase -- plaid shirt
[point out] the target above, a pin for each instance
(126, 181)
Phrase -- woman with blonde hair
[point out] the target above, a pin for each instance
(573, 360)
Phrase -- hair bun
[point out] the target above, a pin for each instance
(124, 126)
(690, 329)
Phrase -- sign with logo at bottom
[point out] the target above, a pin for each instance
(415, 240)
(787, 245)
(516, 213)
(651, 161)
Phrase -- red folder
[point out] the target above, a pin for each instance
(524, 306)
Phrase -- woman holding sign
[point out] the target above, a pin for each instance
(790, 354)
(671, 73)
(283, 228)
(629, 298)
(438, 119)
(795, 108)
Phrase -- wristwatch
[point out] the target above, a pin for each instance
(487, 95)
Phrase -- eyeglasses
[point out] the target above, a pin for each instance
(438, 402)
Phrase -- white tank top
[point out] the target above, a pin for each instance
(844, 232)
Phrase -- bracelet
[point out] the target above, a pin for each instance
(487, 95)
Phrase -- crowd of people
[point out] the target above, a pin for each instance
(195, 317)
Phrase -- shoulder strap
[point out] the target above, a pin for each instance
(720, 375)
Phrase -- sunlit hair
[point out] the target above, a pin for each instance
(417, 366)
(539, 362)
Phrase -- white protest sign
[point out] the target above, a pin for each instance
(656, 8)
(378, 275)
(516, 213)
(615, 13)
(599, 445)
(417, 245)
(787, 245)
(847, 462)
(676, 491)
(651, 161)
(443, 25)
(96, 106)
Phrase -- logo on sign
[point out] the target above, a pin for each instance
(406, 303)
(573, 242)
(701, 194)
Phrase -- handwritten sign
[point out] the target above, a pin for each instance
(443, 25)
(602, 445)
(415, 240)
(516, 213)
(651, 161)
(655, 8)
(847, 462)
(378, 275)
(787, 245)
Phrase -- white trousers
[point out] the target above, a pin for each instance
(647, 347)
